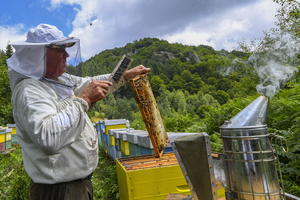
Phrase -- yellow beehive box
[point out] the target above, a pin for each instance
(150, 178)
(114, 124)
(112, 140)
(2, 135)
(8, 137)
(13, 127)
(8, 134)
(125, 148)
(2, 138)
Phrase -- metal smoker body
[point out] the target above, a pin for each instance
(248, 155)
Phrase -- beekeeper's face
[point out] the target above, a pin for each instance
(55, 62)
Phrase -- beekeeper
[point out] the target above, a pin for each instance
(59, 142)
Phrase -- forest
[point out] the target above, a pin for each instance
(197, 88)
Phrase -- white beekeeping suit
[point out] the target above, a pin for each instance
(59, 142)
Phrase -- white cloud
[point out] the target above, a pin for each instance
(11, 34)
(242, 24)
(57, 3)
(222, 24)
(220, 35)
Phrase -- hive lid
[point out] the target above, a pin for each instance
(11, 125)
(115, 121)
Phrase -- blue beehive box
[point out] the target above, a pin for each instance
(135, 137)
(145, 144)
(107, 125)
(132, 138)
(123, 143)
(115, 142)
(98, 126)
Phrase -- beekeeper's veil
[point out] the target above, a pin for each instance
(29, 58)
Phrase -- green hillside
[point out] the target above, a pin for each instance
(197, 88)
(186, 80)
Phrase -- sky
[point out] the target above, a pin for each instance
(106, 24)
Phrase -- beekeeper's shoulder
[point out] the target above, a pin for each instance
(32, 86)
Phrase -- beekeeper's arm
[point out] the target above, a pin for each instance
(128, 75)
(82, 83)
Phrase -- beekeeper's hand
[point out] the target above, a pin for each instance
(95, 91)
(134, 72)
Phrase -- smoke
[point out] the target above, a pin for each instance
(275, 62)
(272, 76)
(235, 63)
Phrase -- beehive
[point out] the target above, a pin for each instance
(116, 143)
(114, 124)
(150, 178)
(8, 138)
(13, 133)
(2, 139)
(131, 143)
(107, 125)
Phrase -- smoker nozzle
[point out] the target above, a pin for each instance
(254, 114)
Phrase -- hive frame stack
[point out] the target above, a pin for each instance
(150, 113)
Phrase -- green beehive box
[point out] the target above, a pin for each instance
(8, 144)
(14, 139)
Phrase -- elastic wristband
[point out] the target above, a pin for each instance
(85, 105)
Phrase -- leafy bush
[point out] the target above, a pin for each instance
(105, 179)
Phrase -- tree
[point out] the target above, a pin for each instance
(156, 84)
(288, 16)
(9, 51)
(5, 92)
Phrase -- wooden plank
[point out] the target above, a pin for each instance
(150, 113)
